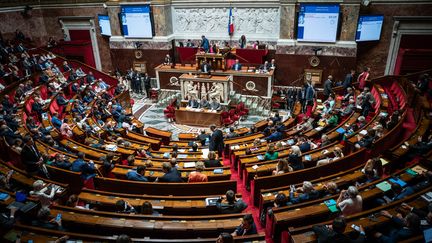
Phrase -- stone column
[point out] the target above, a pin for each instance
(350, 15)
(162, 17)
(287, 16)
(113, 11)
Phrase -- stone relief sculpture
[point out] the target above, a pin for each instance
(216, 91)
(264, 21)
(203, 91)
(191, 90)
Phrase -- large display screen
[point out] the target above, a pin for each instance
(318, 22)
(136, 21)
(369, 27)
(104, 24)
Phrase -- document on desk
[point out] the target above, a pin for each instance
(205, 153)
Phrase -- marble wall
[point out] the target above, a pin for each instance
(32, 26)
(350, 14)
(287, 15)
(162, 20)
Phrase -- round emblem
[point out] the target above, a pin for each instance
(250, 85)
(314, 61)
(174, 81)
(138, 54)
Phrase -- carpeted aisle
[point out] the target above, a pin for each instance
(245, 194)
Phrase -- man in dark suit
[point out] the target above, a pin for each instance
(167, 60)
(229, 203)
(214, 105)
(272, 64)
(216, 140)
(30, 156)
(193, 103)
(204, 104)
(205, 44)
(403, 228)
(328, 87)
(90, 78)
(237, 66)
(264, 67)
(147, 84)
(170, 174)
(335, 233)
(348, 79)
(9, 134)
(205, 67)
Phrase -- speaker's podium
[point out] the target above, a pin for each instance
(200, 87)
(216, 60)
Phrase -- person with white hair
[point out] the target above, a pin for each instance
(305, 193)
(349, 201)
(44, 194)
(46, 220)
(295, 158)
(337, 154)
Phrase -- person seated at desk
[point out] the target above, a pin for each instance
(205, 67)
(123, 206)
(401, 227)
(197, 175)
(272, 64)
(335, 232)
(167, 60)
(203, 136)
(171, 175)
(193, 103)
(256, 44)
(138, 174)
(204, 104)
(237, 66)
(247, 227)
(189, 43)
(264, 68)
(215, 105)
(47, 221)
(271, 154)
(212, 161)
(229, 203)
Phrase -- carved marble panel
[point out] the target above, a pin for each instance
(213, 22)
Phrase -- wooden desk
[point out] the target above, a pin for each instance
(197, 118)
(169, 78)
(88, 221)
(216, 60)
(157, 133)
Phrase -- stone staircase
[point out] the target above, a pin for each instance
(257, 105)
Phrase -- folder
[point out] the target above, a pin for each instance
(384, 186)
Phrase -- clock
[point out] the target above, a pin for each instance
(314, 61)
(138, 54)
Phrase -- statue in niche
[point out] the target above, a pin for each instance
(191, 90)
(216, 91)
(203, 91)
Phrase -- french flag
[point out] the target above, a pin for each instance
(231, 23)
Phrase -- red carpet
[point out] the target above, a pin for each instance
(246, 196)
